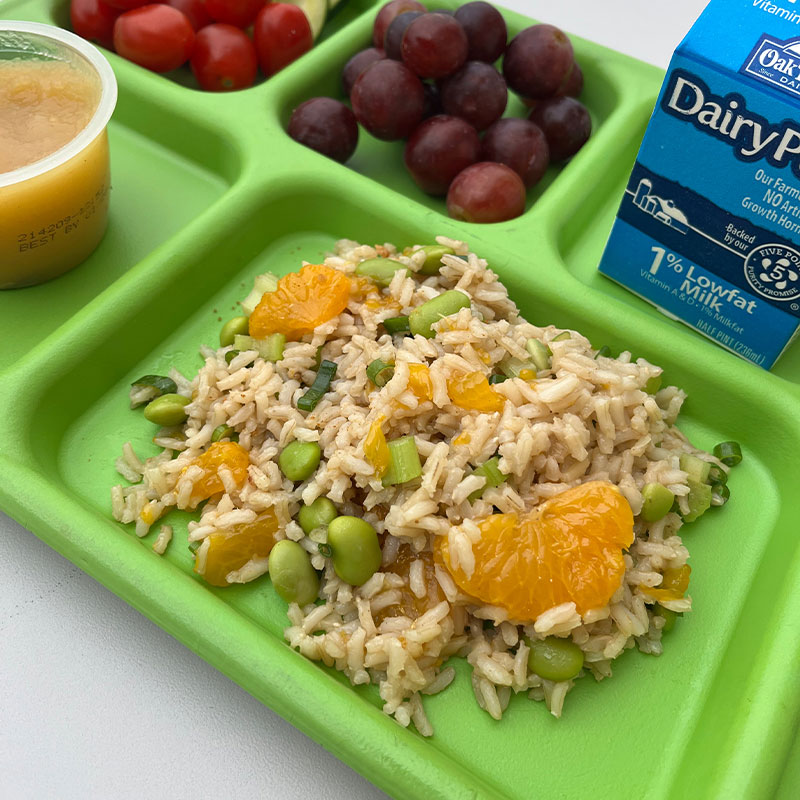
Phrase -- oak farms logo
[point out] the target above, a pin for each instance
(776, 63)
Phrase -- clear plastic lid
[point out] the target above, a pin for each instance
(46, 42)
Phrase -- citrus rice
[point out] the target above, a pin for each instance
(587, 417)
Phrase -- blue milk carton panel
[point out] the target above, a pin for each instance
(709, 227)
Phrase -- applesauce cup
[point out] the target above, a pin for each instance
(54, 211)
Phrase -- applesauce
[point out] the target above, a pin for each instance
(56, 96)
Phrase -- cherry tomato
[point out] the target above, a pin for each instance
(224, 58)
(94, 20)
(156, 36)
(282, 34)
(127, 5)
(240, 13)
(195, 10)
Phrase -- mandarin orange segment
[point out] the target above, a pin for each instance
(228, 454)
(410, 605)
(232, 549)
(376, 448)
(674, 583)
(569, 548)
(301, 301)
(419, 381)
(471, 390)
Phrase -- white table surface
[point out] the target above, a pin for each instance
(98, 702)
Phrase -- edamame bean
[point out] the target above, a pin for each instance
(167, 410)
(443, 305)
(291, 572)
(653, 384)
(355, 549)
(380, 270)
(298, 460)
(555, 659)
(238, 326)
(321, 512)
(657, 500)
(433, 258)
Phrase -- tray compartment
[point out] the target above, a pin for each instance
(607, 86)
(155, 193)
(56, 12)
(73, 419)
(658, 719)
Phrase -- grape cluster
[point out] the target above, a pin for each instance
(430, 78)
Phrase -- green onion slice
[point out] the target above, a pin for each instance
(720, 494)
(322, 383)
(325, 549)
(497, 378)
(540, 354)
(223, 432)
(491, 472)
(729, 453)
(603, 352)
(159, 384)
(561, 336)
(380, 373)
(511, 366)
(404, 464)
(717, 475)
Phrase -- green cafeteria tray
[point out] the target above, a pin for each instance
(208, 190)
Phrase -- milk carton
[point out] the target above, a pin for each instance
(709, 226)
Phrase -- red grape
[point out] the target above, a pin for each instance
(486, 192)
(434, 46)
(486, 31)
(327, 126)
(537, 61)
(566, 124)
(396, 31)
(438, 150)
(433, 102)
(573, 84)
(476, 93)
(387, 13)
(518, 144)
(388, 99)
(357, 64)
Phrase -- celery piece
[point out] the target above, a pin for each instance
(491, 472)
(699, 500)
(697, 469)
(261, 285)
(404, 464)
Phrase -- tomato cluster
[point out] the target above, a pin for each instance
(212, 35)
